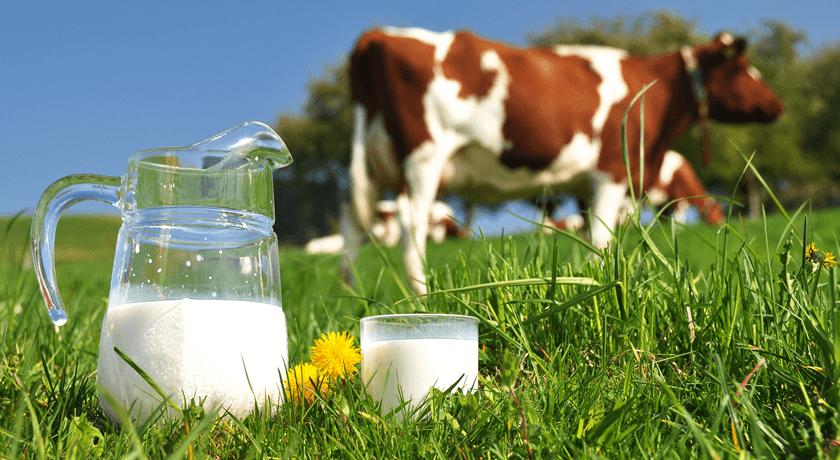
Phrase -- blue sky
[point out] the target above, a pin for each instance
(83, 85)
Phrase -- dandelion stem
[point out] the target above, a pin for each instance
(804, 243)
(814, 289)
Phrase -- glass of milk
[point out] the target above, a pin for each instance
(195, 300)
(404, 356)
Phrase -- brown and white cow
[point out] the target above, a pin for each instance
(490, 122)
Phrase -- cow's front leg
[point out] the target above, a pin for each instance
(607, 200)
(423, 170)
(414, 235)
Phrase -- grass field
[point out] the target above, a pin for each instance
(692, 342)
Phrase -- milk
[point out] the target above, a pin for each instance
(417, 365)
(193, 349)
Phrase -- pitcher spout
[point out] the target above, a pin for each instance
(250, 141)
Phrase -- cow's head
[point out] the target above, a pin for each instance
(736, 92)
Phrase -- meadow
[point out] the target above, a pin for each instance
(683, 342)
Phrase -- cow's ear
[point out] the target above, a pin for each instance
(725, 39)
(739, 46)
(730, 46)
(735, 50)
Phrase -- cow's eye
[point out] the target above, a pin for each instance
(729, 52)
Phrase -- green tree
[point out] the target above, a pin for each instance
(307, 194)
(322, 132)
(651, 33)
(821, 129)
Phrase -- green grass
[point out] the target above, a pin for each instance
(625, 373)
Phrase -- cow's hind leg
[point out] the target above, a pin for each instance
(608, 197)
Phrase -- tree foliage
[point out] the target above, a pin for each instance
(821, 109)
(307, 193)
(322, 131)
(652, 33)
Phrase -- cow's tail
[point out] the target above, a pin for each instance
(361, 188)
(357, 214)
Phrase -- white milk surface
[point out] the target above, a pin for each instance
(418, 365)
(193, 349)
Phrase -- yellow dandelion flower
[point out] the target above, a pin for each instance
(302, 383)
(829, 260)
(819, 258)
(335, 355)
(810, 250)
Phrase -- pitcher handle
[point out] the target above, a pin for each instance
(59, 196)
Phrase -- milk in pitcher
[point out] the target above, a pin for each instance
(193, 349)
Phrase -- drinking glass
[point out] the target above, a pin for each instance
(405, 356)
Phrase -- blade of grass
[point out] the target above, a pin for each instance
(164, 397)
(625, 153)
(761, 179)
(572, 302)
(579, 281)
(186, 442)
(492, 325)
(38, 438)
(571, 235)
(699, 435)
(125, 421)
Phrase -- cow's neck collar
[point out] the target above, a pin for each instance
(695, 74)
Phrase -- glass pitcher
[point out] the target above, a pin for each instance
(195, 290)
